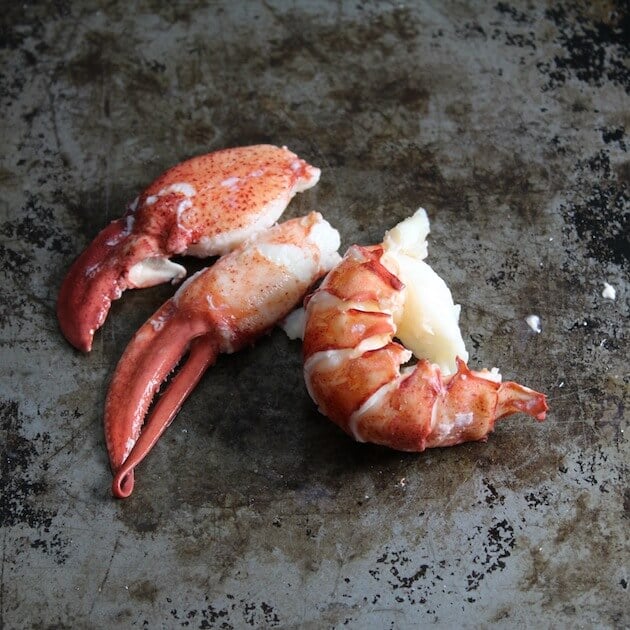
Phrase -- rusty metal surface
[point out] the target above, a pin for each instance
(508, 121)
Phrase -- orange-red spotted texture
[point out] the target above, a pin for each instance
(230, 186)
(218, 310)
(202, 207)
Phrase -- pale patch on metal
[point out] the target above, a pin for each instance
(609, 292)
(533, 321)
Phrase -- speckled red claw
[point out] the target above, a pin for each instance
(205, 206)
(221, 309)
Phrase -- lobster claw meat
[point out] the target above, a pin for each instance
(202, 207)
(220, 309)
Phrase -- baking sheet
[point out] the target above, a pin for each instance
(508, 122)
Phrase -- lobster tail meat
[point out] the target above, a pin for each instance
(352, 365)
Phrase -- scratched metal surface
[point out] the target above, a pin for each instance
(508, 121)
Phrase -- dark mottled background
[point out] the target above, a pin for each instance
(508, 121)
